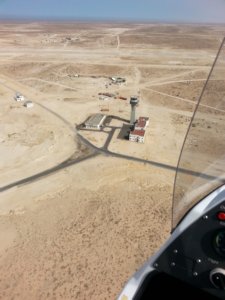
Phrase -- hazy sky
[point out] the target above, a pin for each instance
(207, 11)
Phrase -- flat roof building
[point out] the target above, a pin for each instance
(142, 123)
(146, 119)
(95, 121)
(19, 97)
(137, 136)
(28, 104)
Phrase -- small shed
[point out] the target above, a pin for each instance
(29, 104)
(19, 97)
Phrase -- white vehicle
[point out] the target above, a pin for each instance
(192, 262)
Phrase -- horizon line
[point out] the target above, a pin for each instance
(96, 20)
(109, 20)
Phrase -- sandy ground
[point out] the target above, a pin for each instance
(81, 232)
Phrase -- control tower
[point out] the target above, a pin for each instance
(133, 102)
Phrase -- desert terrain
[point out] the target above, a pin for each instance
(76, 221)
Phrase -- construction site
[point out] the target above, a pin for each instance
(80, 209)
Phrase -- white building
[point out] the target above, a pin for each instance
(28, 104)
(95, 121)
(18, 97)
(137, 136)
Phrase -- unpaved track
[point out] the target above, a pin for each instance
(82, 231)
